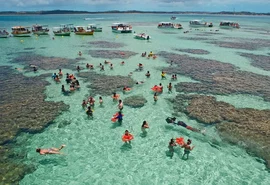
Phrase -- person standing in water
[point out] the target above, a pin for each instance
(170, 87)
(120, 105)
(155, 97)
(171, 146)
(187, 148)
(50, 150)
(144, 127)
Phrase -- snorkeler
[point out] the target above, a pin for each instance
(181, 123)
(50, 150)
(187, 148)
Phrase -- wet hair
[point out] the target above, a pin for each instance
(38, 150)
(189, 141)
(126, 131)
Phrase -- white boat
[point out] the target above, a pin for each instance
(3, 33)
(83, 30)
(94, 27)
(142, 36)
(63, 30)
(21, 31)
(121, 28)
(229, 24)
(173, 17)
(40, 29)
(169, 25)
(199, 23)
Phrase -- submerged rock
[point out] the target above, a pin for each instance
(216, 77)
(28, 48)
(194, 51)
(260, 61)
(111, 54)
(45, 63)
(22, 109)
(245, 125)
(106, 44)
(242, 43)
(196, 38)
(135, 101)
(105, 85)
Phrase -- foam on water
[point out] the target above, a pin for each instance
(95, 153)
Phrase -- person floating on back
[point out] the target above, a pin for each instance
(50, 150)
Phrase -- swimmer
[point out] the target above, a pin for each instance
(122, 63)
(140, 66)
(155, 97)
(102, 68)
(91, 100)
(127, 137)
(60, 73)
(54, 75)
(106, 62)
(140, 82)
(78, 68)
(100, 101)
(171, 145)
(161, 87)
(144, 127)
(187, 148)
(171, 62)
(115, 96)
(120, 105)
(147, 74)
(89, 112)
(163, 75)
(57, 79)
(50, 150)
(63, 89)
(91, 66)
(87, 66)
(80, 53)
(77, 84)
(119, 117)
(170, 87)
(72, 87)
(84, 103)
(111, 66)
(130, 74)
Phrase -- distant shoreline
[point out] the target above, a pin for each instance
(61, 12)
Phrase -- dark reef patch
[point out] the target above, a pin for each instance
(111, 54)
(260, 61)
(28, 48)
(244, 125)
(194, 51)
(242, 43)
(136, 101)
(196, 38)
(22, 109)
(45, 63)
(105, 44)
(105, 85)
(216, 77)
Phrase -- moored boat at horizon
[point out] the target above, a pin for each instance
(199, 23)
(229, 25)
(20, 31)
(94, 27)
(63, 30)
(121, 28)
(168, 25)
(82, 30)
(142, 36)
(3, 33)
(40, 29)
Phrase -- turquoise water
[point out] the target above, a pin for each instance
(94, 152)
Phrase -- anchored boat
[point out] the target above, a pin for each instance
(21, 31)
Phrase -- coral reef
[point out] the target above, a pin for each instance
(135, 101)
(260, 61)
(22, 109)
(105, 44)
(105, 85)
(194, 51)
(216, 77)
(111, 54)
(245, 126)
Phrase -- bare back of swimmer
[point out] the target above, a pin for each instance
(50, 150)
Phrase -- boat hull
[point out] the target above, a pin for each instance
(228, 27)
(122, 31)
(41, 33)
(97, 30)
(84, 33)
(22, 35)
(62, 34)
(142, 38)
